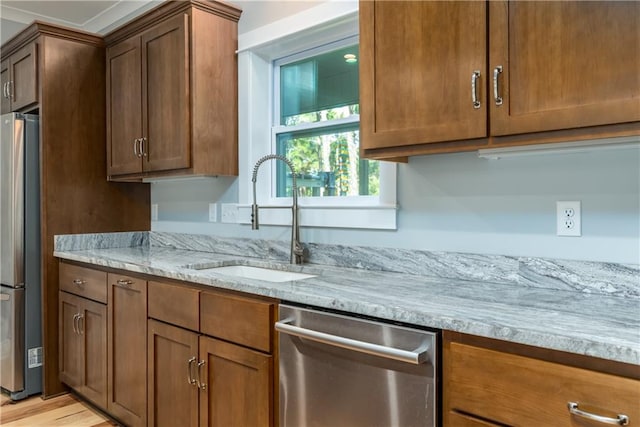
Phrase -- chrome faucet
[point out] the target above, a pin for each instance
(297, 249)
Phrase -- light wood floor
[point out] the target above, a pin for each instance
(64, 410)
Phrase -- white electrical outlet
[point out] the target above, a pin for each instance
(154, 212)
(568, 217)
(229, 213)
(213, 212)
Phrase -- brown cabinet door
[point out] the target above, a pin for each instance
(238, 382)
(93, 330)
(4, 78)
(124, 107)
(83, 347)
(71, 356)
(565, 64)
(127, 349)
(24, 77)
(165, 95)
(173, 393)
(416, 65)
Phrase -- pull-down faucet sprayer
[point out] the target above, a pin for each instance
(297, 249)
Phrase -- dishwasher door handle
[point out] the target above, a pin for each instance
(415, 357)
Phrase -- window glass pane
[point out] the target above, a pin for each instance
(314, 89)
(327, 163)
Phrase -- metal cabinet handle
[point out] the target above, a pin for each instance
(190, 378)
(142, 150)
(80, 324)
(416, 357)
(621, 419)
(75, 323)
(201, 385)
(124, 282)
(79, 282)
(474, 89)
(496, 92)
(4, 90)
(135, 147)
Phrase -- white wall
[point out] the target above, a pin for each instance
(459, 202)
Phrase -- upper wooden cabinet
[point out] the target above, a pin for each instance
(560, 70)
(19, 75)
(172, 93)
(417, 62)
(564, 64)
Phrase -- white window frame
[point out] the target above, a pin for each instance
(258, 49)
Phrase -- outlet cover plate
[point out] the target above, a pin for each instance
(229, 213)
(568, 219)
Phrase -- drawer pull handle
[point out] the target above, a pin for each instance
(124, 282)
(190, 378)
(79, 282)
(620, 420)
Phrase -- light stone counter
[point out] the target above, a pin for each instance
(604, 323)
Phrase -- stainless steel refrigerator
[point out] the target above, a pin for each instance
(20, 276)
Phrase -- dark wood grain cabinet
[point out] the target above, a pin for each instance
(172, 92)
(556, 71)
(415, 84)
(59, 74)
(83, 332)
(19, 76)
(213, 382)
(127, 349)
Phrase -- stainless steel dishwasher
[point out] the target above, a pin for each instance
(343, 371)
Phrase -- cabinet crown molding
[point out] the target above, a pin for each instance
(167, 9)
(39, 28)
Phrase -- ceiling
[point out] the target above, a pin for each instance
(95, 16)
(101, 16)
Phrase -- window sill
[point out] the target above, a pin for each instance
(378, 217)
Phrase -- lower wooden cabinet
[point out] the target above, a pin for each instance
(196, 379)
(83, 347)
(482, 386)
(172, 364)
(127, 349)
(238, 384)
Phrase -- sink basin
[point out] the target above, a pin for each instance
(259, 273)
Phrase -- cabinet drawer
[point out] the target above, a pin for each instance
(518, 390)
(84, 282)
(456, 419)
(178, 305)
(245, 321)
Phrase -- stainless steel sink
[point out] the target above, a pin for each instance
(258, 273)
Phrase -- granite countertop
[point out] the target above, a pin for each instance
(589, 324)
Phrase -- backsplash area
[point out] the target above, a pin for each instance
(612, 279)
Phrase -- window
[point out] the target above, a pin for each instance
(317, 113)
(292, 101)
